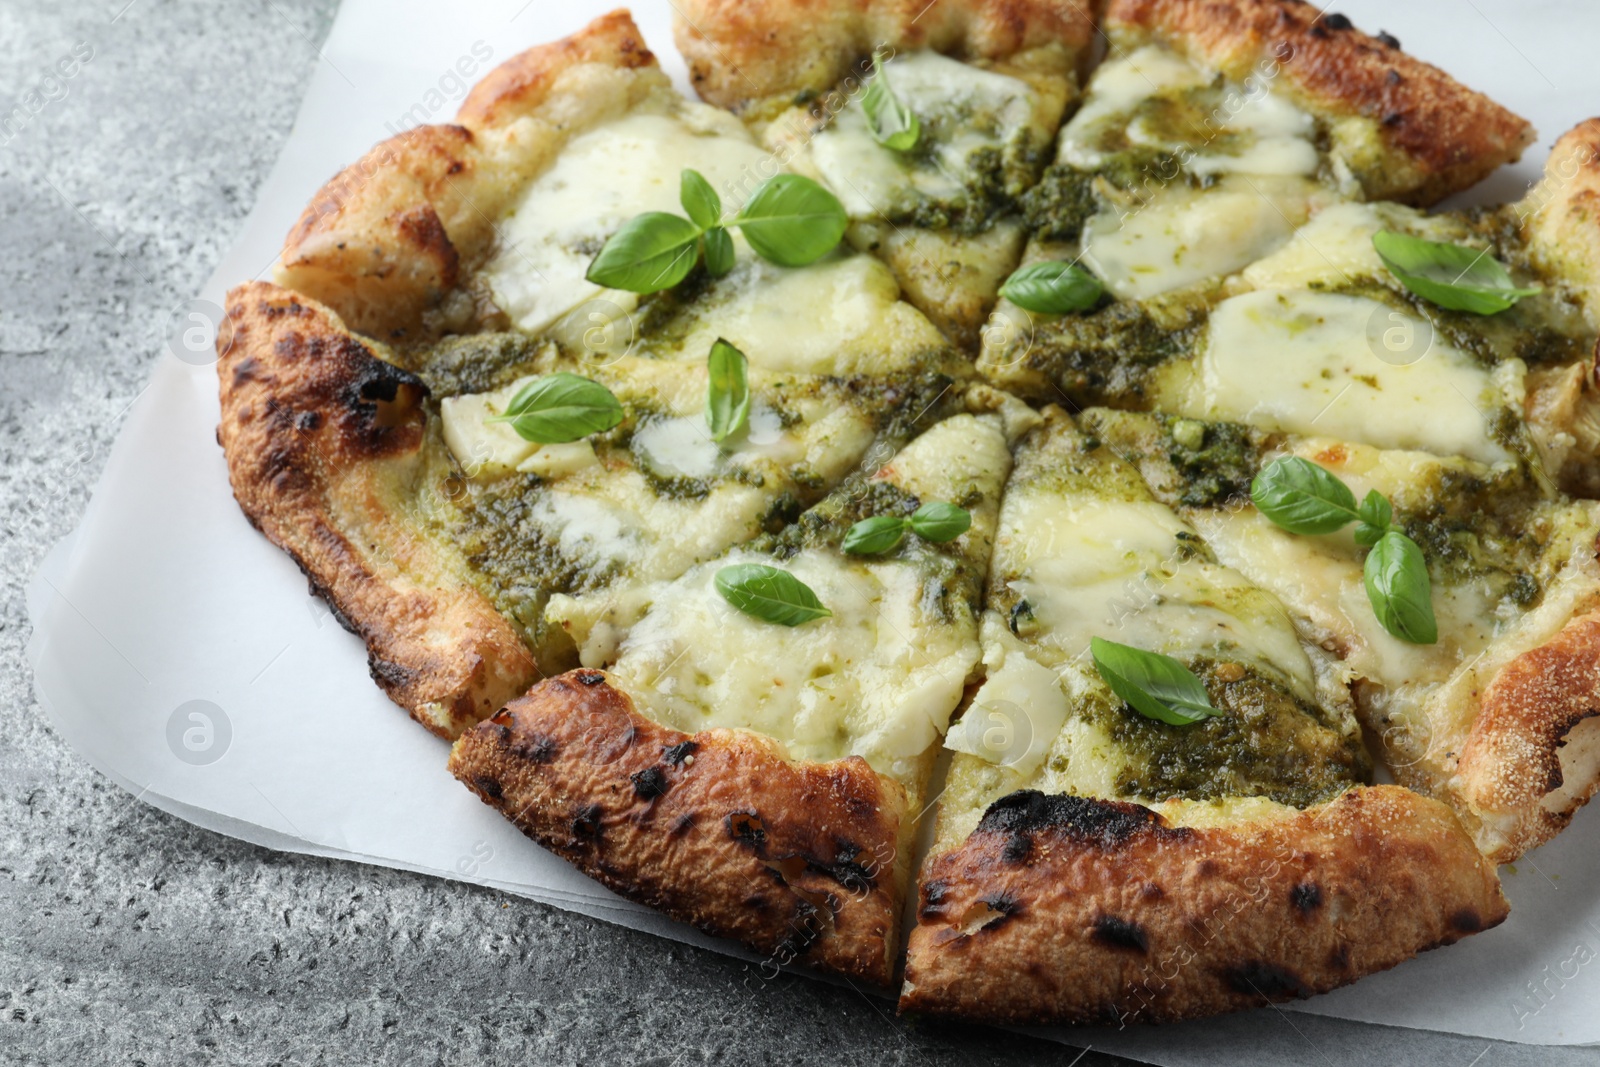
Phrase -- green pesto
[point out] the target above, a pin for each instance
(996, 179)
(951, 587)
(475, 363)
(1266, 743)
(1216, 460)
(1108, 356)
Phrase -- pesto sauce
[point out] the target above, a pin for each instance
(475, 363)
(1108, 356)
(1266, 743)
(1216, 460)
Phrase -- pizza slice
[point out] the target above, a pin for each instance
(752, 756)
(1491, 715)
(929, 122)
(1158, 807)
(1212, 131)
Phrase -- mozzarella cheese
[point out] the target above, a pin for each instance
(1248, 129)
(1017, 712)
(1182, 235)
(1321, 364)
(487, 450)
(963, 109)
(601, 179)
(841, 315)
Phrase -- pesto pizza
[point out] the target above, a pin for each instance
(1021, 498)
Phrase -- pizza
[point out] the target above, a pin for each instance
(1019, 499)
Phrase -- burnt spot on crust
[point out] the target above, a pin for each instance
(535, 748)
(649, 783)
(683, 824)
(589, 677)
(846, 870)
(586, 822)
(1466, 920)
(933, 894)
(1106, 823)
(1266, 980)
(676, 754)
(1017, 849)
(388, 674)
(1003, 907)
(1306, 897)
(1389, 39)
(1339, 958)
(488, 786)
(1116, 932)
(1555, 779)
(420, 227)
(746, 828)
(1335, 21)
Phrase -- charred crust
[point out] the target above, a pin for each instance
(649, 783)
(1107, 823)
(676, 754)
(488, 786)
(776, 853)
(1017, 849)
(1120, 933)
(1466, 920)
(1269, 980)
(1306, 897)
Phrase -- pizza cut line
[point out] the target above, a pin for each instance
(1022, 501)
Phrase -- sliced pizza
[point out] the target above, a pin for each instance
(1158, 807)
(752, 757)
(929, 125)
(1491, 713)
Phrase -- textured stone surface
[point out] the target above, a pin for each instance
(127, 936)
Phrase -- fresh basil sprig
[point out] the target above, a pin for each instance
(1304, 498)
(935, 521)
(1155, 685)
(769, 593)
(1052, 288)
(727, 390)
(1453, 276)
(790, 220)
(893, 124)
(561, 407)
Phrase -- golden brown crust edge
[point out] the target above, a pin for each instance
(1416, 135)
(388, 239)
(323, 442)
(1532, 758)
(796, 860)
(1561, 215)
(741, 52)
(1062, 909)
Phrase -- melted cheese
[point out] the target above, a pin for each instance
(1249, 130)
(876, 679)
(1335, 247)
(1017, 712)
(963, 109)
(1308, 362)
(488, 450)
(601, 179)
(842, 315)
(1117, 569)
(1183, 235)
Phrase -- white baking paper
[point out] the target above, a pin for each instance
(180, 653)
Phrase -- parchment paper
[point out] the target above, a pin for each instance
(180, 653)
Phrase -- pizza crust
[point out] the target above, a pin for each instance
(1561, 215)
(799, 861)
(324, 446)
(1061, 909)
(1407, 130)
(741, 53)
(388, 242)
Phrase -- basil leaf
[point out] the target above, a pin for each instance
(792, 220)
(561, 407)
(1400, 590)
(1452, 276)
(1052, 288)
(893, 124)
(719, 251)
(700, 202)
(1156, 686)
(769, 593)
(727, 390)
(940, 522)
(1302, 497)
(651, 252)
(1376, 515)
(875, 536)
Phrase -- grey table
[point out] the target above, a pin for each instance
(128, 936)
